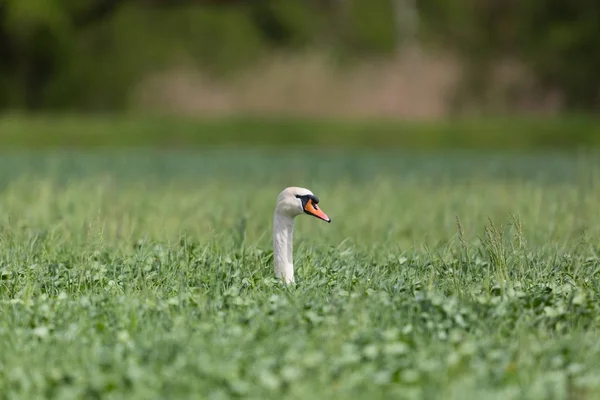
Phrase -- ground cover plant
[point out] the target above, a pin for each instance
(146, 274)
(41, 131)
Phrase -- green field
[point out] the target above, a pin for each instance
(132, 131)
(144, 274)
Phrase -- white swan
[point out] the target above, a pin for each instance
(291, 202)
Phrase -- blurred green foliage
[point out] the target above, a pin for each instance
(559, 41)
(88, 54)
(43, 131)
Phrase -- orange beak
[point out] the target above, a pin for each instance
(313, 209)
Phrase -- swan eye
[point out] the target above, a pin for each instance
(302, 200)
(306, 198)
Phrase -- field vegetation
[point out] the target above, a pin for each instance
(148, 274)
(39, 131)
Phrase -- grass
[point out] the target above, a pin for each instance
(106, 131)
(142, 274)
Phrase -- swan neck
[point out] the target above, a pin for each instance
(283, 238)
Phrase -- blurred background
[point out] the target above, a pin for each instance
(380, 72)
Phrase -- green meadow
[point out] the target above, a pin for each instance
(132, 273)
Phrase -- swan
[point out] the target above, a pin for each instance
(291, 202)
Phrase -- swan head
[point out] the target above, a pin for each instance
(294, 201)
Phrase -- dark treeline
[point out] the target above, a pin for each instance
(86, 54)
